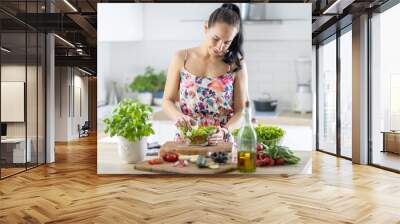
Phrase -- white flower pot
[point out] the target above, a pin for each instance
(145, 98)
(132, 152)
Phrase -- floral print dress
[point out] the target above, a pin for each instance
(208, 100)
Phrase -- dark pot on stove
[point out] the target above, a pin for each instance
(265, 105)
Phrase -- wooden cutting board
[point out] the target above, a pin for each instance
(190, 169)
(185, 149)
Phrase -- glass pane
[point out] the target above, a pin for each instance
(13, 86)
(386, 89)
(31, 100)
(41, 98)
(327, 97)
(346, 93)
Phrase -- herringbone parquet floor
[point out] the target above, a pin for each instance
(70, 191)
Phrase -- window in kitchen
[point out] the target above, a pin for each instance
(346, 92)
(385, 89)
(327, 96)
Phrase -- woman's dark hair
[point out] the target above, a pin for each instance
(230, 14)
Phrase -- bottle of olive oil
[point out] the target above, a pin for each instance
(246, 144)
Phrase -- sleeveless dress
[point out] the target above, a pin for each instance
(208, 100)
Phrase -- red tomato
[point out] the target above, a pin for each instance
(171, 157)
(155, 161)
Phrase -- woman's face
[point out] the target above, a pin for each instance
(219, 37)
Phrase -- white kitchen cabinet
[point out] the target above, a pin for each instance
(277, 30)
(119, 22)
(183, 21)
(186, 22)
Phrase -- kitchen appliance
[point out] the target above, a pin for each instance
(265, 104)
(253, 11)
(303, 102)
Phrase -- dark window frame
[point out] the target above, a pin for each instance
(30, 29)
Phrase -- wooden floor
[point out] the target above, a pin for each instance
(70, 191)
(10, 171)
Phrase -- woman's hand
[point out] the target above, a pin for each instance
(185, 121)
(217, 137)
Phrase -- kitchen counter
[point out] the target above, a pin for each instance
(284, 118)
(108, 162)
(268, 118)
(274, 118)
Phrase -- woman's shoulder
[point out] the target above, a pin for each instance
(178, 58)
(182, 52)
(179, 55)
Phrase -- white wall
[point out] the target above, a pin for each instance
(79, 117)
(67, 114)
(270, 47)
(314, 91)
(61, 103)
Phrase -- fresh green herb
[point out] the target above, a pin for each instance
(130, 119)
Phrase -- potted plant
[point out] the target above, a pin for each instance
(159, 90)
(130, 122)
(147, 84)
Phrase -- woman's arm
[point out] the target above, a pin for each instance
(240, 95)
(171, 92)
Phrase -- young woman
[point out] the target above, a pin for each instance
(207, 84)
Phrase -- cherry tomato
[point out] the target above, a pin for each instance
(155, 161)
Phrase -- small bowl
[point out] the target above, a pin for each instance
(199, 142)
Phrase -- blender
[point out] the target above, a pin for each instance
(303, 94)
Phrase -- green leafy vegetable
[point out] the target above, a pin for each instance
(130, 119)
(276, 151)
(269, 135)
(197, 135)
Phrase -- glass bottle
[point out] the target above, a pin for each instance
(246, 144)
